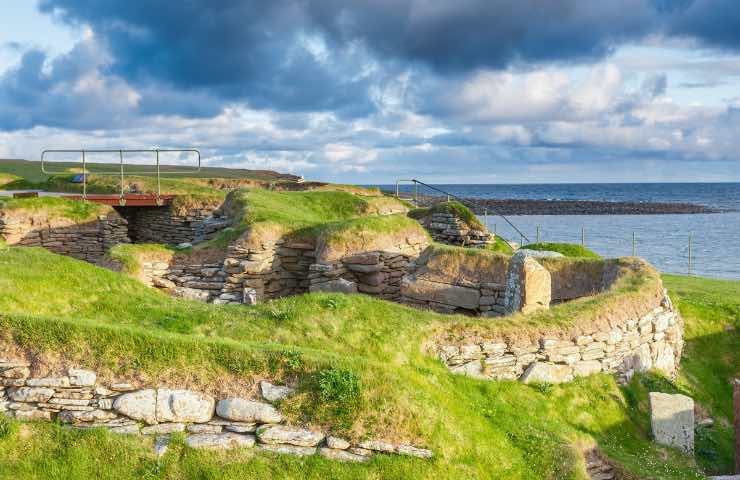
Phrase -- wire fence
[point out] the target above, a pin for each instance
(670, 247)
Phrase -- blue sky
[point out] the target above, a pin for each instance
(367, 91)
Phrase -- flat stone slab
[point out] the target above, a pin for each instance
(279, 434)
(243, 410)
(672, 420)
(219, 441)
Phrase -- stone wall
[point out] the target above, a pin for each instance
(652, 340)
(88, 240)
(194, 281)
(173, 225)
(78, 400)
(447, 228)
(376, 273)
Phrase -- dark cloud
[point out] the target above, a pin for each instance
(67, 91)
(248, 50)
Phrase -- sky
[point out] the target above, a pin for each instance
(370, 91)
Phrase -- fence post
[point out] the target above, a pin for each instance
(583, 237)
(485, 217)
(736, 402)
(689, 254)
(538, 234)
(634, 245)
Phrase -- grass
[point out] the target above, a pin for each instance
(567, 249)
(309, 214)
(130, 256)
(455, 208)
(360, 366)
(55, 207)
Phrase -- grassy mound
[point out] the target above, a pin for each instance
(335, 214)
(58, 308)
(455, 208)
(567, 249)
(54, 207)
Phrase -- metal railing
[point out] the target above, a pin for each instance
(121, 173)
(464, 201)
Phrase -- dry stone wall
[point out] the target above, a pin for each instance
(653, 340)
(376, 273)
(87, 240)
(447, 228)
(78, 400)
(173, 225)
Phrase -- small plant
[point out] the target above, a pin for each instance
(338, 385)
(7, 427)
(293, 359)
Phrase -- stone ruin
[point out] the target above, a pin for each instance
(450, 229)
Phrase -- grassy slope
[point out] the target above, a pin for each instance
(55, 207)
(478, 429)
(711, 358)
(567, 249)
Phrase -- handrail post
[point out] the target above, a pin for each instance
(122, 198)
(159, 198)
(84, 176)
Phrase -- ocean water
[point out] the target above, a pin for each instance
(661, 239)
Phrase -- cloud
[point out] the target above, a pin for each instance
(70, 90)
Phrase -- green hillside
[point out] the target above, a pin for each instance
(478, 429)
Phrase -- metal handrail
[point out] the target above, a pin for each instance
(463, 201)
(122, 199)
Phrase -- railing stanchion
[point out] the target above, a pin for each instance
(84, 176)
(122, 199)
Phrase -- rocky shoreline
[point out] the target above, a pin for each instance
(572, 207)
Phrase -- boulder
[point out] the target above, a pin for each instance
(219, 441)
(31, 394)
(139, 405)
(541, 372)
(184, 406)
(283, 434)
(413, 451)
(243, 410)
(339, 285)
(672, 420)
(528, 284)
(586, 367)
(81, 378)
(274, 393)
(337, 443)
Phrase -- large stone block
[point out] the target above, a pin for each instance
(283, 434)
(424, 290)
(139, 405)
(339, 285)
(184, 406)
(243, 410)
(541, 372)
(672, 420)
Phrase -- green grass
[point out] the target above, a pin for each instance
(361, 369)
(455, 208)
(500, 246)
(55, 207)
(711, 358)
(567, 249)
(130, 256)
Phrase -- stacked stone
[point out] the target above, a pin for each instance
(457, 296)
(77, 400)
(172, 226)
(375, 273)
(198, 281)
(654, 340)
(85, 241)
(270, 270)
(447, 228)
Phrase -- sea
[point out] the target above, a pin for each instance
(663, 240)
